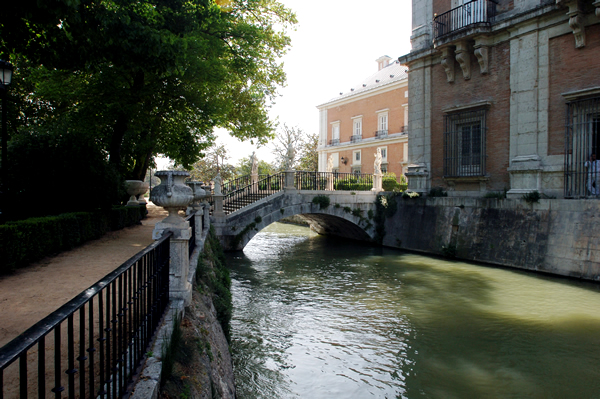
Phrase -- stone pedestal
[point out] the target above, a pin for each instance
(525, 175)
(290, 176)
(180, 288)
(377, 182)
(173, 195)
(418, 178)
(218, 212)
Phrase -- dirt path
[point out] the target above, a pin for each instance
(33, 292)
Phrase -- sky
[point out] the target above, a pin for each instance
(334, 47)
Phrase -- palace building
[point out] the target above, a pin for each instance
(372, 115)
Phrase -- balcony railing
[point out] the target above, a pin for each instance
(334, 142)
(381, 134)
(356, 138)
(469, 14)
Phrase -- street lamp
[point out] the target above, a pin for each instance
(6, 70)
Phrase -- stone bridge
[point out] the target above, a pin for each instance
(349, 214)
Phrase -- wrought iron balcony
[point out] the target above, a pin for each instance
(471, 14)
(356, 138)
(381, 134)
(334, 142)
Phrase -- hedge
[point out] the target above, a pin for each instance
(26, 241)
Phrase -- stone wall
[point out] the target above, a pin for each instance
(553, 236)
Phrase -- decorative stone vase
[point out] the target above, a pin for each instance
(143, 190)
(199, 192)
(133, 188)
(172, 194)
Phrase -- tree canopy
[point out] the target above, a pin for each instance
(304, 145)
(146, 77)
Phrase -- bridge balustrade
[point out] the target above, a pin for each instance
(238, 195)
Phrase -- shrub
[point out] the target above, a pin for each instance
(495, 194)
(26, 241)
(389, 182)
(321, 200)
(532, 197)
(437, 192)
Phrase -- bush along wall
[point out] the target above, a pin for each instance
(212, 274)
(25, 241)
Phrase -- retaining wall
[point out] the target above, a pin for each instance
(553, 236)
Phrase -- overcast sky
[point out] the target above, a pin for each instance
(334, 47)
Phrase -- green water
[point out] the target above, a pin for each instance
(321, 318)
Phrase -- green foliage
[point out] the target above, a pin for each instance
(370, 214)
(357, 212)
(532, 197)
(62, 167)
(495, 194)
(146, 78)
(337, 206)
(389, 182)
(244, 167)
(321, 200)
(258, 219)
(305, 149)
(347, 209)
(26, 241)
(353, 183)
(437, 192)
(386, 207)
(218, 281)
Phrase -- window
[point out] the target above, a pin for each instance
(358, 127)
(582, 142)
(464, 143)
(356, 157)
(383, 122)
(335, 133)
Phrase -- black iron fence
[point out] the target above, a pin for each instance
(238, 183)
(308, 180)
(464, 16)
(91, 346)
(582, 148)
(263, 187)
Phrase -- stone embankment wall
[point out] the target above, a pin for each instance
(554, 236)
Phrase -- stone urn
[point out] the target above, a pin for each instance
(143, 190)
(197, 188)
(133, 188)
(172, 194)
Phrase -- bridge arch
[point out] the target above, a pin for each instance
(347, 216)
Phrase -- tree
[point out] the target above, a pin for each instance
(309, 157)
(244, 167)
(149, 77)
(304, 145)
(215, 160)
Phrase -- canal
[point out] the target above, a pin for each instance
(316, 317)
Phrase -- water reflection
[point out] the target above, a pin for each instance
(321, 318)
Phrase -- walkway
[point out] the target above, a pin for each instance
(34, 292)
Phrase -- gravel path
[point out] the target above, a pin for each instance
(34, 292)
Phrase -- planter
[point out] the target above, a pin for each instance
(143, 190)
(133, 188)
(172, 194)
(198, 190)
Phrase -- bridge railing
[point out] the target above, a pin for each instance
(265, 186)
(238, 183)
(309, 180)
(91, 346)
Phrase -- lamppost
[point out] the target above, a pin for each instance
(6, 70)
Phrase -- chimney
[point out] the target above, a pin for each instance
(383, 61)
